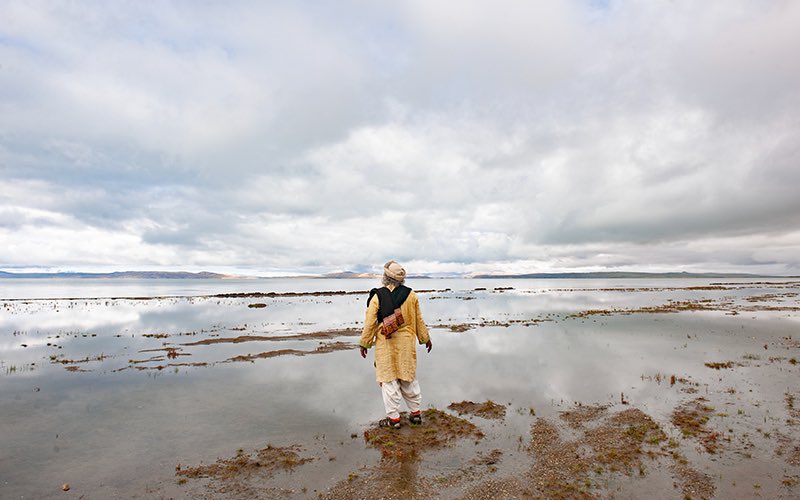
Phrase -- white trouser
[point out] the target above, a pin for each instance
(396, 389)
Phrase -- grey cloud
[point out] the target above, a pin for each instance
(558, 135)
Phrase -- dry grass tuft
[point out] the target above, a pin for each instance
(691, 419)
(488, 409)
(265, 461)
(438, 429)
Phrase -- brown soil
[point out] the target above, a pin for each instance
(483, 464)
(564, 469)
(438, 429)
(175, 352)
(457, 328)
(794, 412)
(397, 474)
(490, 458)
(617, 444)
(274, 295)
(244, 295)
(389, 480)
(160, 367)
(790, 481)
(694, 484)
(463, 327)
(266, 462)
(711, 287)
(506, 488)
(778, 284)
(602, 444)
(460, 328)
(64, 361)
(767, 297)
(574, 455)
(333, 346)
(267, 354)
(724, 304)
(788, 449)
(148, 360)
(321, 349)
(612, 443)
(669, 307)
(717, 365)
(789, 342)
(691, 419)
(582, 414)
(75, 368)
(488, 409)
(238, 295)
(170, 352)
(325, 334)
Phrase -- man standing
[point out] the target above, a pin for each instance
(393, 325)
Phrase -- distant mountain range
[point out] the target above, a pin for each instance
(623, 274)
(352, 275)
(589, 275)
(121, 274)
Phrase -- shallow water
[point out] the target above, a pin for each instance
(119, 424)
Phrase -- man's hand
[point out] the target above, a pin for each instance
(364, 352)
(429, 345)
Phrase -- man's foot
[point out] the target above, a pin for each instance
(415, 418)
(389, 423)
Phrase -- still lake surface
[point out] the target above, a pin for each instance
(88, 395)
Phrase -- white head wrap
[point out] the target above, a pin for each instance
(394, 270)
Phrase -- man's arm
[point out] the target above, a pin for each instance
(423, 335)
(370, 331)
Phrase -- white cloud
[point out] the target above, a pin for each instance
(511, 136)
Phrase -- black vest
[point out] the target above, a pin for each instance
(389, 300)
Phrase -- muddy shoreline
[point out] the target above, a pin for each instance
(590, 450)
(672, 391)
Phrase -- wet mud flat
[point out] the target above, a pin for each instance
(630, 391)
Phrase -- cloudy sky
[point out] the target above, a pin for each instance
(454, 136)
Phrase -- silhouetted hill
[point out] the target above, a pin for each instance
(119, 274)
(350, 274)
(622, 274)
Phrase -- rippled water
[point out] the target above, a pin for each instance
(128, 413)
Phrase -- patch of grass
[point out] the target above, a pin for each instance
(609, 443)
(718, 365)
(488, 409)
(267, 460)
(691, 418)
(438, 430)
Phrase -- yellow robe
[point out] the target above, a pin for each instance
(395, 358)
